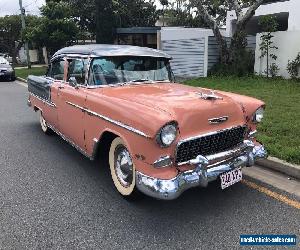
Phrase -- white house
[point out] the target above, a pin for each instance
(287, 39)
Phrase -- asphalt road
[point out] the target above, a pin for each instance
(51, 196)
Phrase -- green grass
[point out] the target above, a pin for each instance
(25, 72)
(280, 129)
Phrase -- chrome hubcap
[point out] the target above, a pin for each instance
(123, 166)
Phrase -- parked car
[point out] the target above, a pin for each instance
(6, 70)
(161, 137)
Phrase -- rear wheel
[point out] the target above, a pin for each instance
(122, 169)
(44, 125)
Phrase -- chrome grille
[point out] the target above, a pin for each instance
(210, 144)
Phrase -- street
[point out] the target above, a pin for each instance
(51, 196)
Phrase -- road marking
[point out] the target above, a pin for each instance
(22, 84)
(272, 194)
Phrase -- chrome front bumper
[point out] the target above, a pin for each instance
(203, 173)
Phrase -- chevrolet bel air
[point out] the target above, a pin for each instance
(161, 137)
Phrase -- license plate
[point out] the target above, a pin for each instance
(231, 177)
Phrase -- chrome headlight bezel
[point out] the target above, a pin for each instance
(167, 134)
(258, 115)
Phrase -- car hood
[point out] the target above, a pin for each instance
(183, 104)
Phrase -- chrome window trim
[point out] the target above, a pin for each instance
(200, 136)
(49, 103)
(115, 122)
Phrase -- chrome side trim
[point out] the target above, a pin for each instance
(49, 103)
(200, 136)
(118, 123)
(79, 149)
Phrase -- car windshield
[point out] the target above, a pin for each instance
(129, 69)
(3, 60)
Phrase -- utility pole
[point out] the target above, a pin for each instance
(23, 28)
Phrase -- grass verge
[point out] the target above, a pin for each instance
(280, 129)
(25, 72)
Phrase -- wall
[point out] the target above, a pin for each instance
(32, 53)
(288, 43)
(291, 6)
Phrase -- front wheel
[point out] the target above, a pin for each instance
(122, 169)
(44, 125)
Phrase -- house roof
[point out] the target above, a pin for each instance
(110, 50)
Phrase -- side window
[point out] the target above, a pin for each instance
(102, 72)
(77, 70)
(57, 70)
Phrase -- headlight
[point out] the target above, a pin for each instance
(258, 115)
(167, 135)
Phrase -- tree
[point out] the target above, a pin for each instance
(101, 17)
(269, 25)
(55, 28)
(134, 13)
(213, 13)
(11, 39)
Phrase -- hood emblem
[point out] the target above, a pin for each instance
(211, 96)
(218, 120)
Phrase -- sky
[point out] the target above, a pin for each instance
(9, 7)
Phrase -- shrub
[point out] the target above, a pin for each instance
(273, 70)
(293, 67)
(242, 65)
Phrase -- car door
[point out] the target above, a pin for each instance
(71, 99)
(54, 78)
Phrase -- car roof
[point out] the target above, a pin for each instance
(99, 50)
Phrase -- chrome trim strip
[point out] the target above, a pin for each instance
(51, 104)
(252, 133)
(118, 123)
(200, 136)
(165, 159)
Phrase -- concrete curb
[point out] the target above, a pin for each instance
(21, 79)
(280, 166)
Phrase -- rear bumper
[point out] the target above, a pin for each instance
(203, 173)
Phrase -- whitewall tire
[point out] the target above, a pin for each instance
(44, 125)
(122, 169)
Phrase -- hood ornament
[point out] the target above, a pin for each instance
(218, 120)
(211, 96)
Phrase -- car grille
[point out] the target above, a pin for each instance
(210, 144)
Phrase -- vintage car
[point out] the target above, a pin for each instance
(161, 137)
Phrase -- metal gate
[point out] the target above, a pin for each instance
(188, 56)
